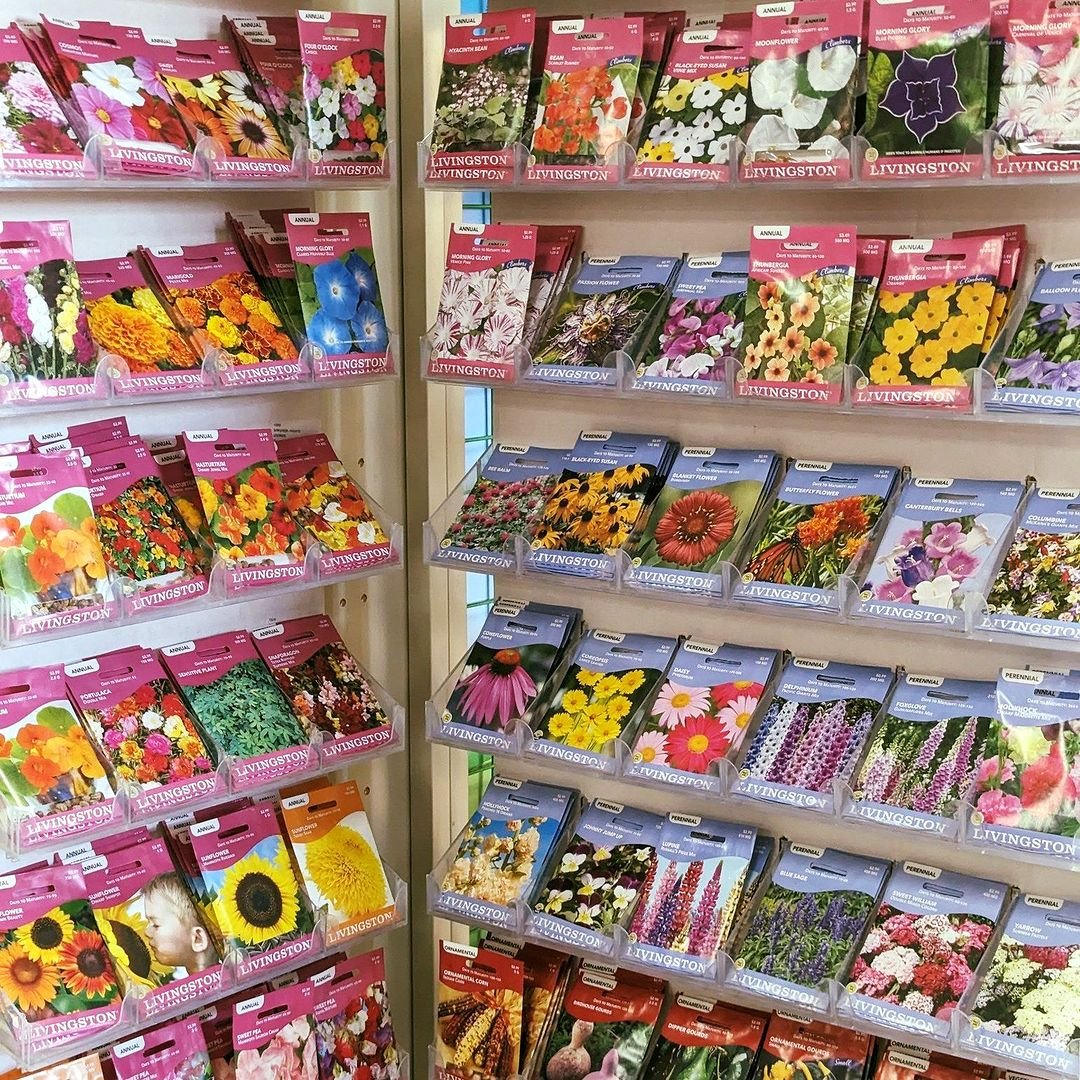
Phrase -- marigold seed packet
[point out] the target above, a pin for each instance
(700, 1034)
(556, 249)
(869, 266)
(269, 49)
(274, 1033)
(898, 1061)
(799, 1045)
(177, 1050)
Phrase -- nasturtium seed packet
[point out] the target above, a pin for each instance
(869, 266)
(821, 1049)
(700, 1034)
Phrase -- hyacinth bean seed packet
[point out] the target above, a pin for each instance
(175, 1050)
(799, 1045)
(273, 1034)
(702, 1035)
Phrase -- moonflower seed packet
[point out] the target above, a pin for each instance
(797, 1044)
(176, 1050)
(703, 1034)
(274, 1033)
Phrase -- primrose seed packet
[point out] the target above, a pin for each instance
(177, 1050)
(799, 1045)
(703, 1034)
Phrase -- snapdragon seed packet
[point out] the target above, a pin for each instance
(176, 1050)
(701, 1033)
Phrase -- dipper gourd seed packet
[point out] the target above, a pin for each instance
(799, 1045)
(176, 1050)
(274, 1033)
(700, 1036)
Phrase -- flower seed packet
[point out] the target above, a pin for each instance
(1013, 253)
(923, 754)
(812, 733)
(335, 851)
(798, 313)
(818, 529)
(805, 929)
(597, 882)
(926, 90)
(700, 1033)
(175, 1050)
(556, 249)
(609, 310)
(660, 30)
(273, 1033)
(939, 548)
(797, 1044)
(804, 67)
(924, 944)
(175, 471)
(480, 104)
(899, 1061)
(869, 266)
(339, 292)
(78, 436)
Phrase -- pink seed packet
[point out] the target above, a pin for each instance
(176, 1051)
(274, 1033)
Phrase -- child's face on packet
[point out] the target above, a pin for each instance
(171, 936)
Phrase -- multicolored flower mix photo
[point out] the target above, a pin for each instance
(495, 511)
(343, 309)
(327, 502)
(1040, 578)
(698, 339)
(592, 709)
(1042, 353)
(481, 313)
(31, 120)
(496, 860)
(358, 1042)
(346, 106)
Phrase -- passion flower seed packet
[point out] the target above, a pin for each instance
(939, 549)
(556, 249)
(869, 267)
(797, 317)
(799, 1045)
(706, 1035)
(274, 1033)
(176, 1050)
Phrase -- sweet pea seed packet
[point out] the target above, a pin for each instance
(939, 549)
(177, 1050)
(701, 1036)
(798, 313)
(556, 249)
(274, 1033)
(804, 69)
(869, 266)
(812, 733)
(818, 529)
(897, 1061)
(797, 1045)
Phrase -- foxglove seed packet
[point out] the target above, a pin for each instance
(800, 1045)
(817, 530)
(706, 1035)
(611, 308)
(869, 266)
(274, 1033)
(701, 713)
(556, 249)
(176, 1050)
(923, 754)
(598, 881)
(926, 89)
(805, 929)
(924, 944)
(938, 549)
(339, 293)
(813, 732)
(804, 67)
(797, 316)
(599, 702)
(897, 1061)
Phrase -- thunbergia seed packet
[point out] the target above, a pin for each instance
(938, 552)
(869, 267)
(274, 1033)
(797, 1044)
(610, 309)
(818, 529)
(556, 249)
(804, 72)
(797, 316)
(597, 882)
(176, 1050)
(700, 1035)
(812, 733)
(1013, 253)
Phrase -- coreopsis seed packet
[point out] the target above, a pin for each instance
(608, 313)
(598, 880)
(804, 70)
(478, 1013)
(926, 89)
(599, 701)
(556, 249)
(922, 949)
(807, 924)
(869, 266)
(700, 714)
(938, 551)
(345, 93)
(797, 316)
(335, 852)
(799, 1045)
(812, 732)
(897, 1061)
(817, 530)
(175, 1050)
(702, 1035)
(274, 1033)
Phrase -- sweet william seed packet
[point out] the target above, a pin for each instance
(174, 1050)
(274, 1033)
(700, 1034)
(796, 1045)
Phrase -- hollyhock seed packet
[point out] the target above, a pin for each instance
(177, 1050)
(797, 316)
(274, 1034)
(798, 1045)
(700, 1034)
(869, 266)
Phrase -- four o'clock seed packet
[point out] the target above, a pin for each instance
(701, 1032)
(798, 1043)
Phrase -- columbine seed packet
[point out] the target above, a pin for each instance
(799, 1045)
(798, 313)
(274, 1033)
(556, 249)
(869, 266)
(703, 1034)
(177, 1050)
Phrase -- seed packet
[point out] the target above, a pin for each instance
(177, 836)
(598, 880)
(938, 550)
(547, 974)
(812, 733)
(175, 471)
(926, 90)
(175, 1050)
(478, 1014)
(700, 333)
(610, 309)
(503, 853)
(869, 267)
(798, 1045)
(481, 316)
(698, 111)
(798, 313)
(330, 692)
(700, 519)
(804, 67)
(703, 1037)
(924, 944)
(556, 249)
(701, 714)
(1013, 252)
(59, 439)
(345, 93)
(354, 1032)
(804, 931)
(483, 87)
(658, 33)
(817, 531)
(897, 1061)
(215, 1022)
(924, 342)
(55, 973)
(274, 1033)
(923, 754)
(269, 48)
(84, 1068)
(236, 701)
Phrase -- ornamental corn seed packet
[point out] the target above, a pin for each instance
(813, 732)
(798, 313)
(176, 1050)
(817, 530)
(898, 1061)
(556, 249)
(869, 266)
(939, 549)
(700, 1035)
(274, 1034)
(269, 49)
(798, 1045)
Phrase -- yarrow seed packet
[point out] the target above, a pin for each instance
(700, 1033)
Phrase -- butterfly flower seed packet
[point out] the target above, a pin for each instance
(797, 1043)
(177, 1049)
(696, 1027)
(273, 1033)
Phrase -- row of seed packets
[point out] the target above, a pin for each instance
(660, 98)
(268, 98)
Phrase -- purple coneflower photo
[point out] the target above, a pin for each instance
(497, 692)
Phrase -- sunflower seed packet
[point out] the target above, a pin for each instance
(273, 1033)
(556, 249)
(869, 266)
(703, 1034)
(800, 1045)
(177, 1050)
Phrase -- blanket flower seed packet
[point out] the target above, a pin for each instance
(175, 1050)
(273, 1034)
(799, 1045)
(703, 1036)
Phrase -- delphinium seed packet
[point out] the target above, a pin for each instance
(869, 266)
(596, 884)
(813, 732)
(273, 1034)
(939, 549)
(177, 1049)
(798, 1045)
(797, 316)
(900, 1061)
(804, 68)
(700, 1036)
(556, 249)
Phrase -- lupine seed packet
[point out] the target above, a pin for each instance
(869, 266)
(274, 1034)
(701, 1036)
(176, 1050)
(556, 250)
(798, 1045)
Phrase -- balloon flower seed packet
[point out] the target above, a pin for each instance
(703, 1033)
(798, 313)
(273, 1033)
(804, 67)
(799, 1045)
(175, 1050)
(939, 550)
(339, 292)
(556, 249)
(869, 266)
